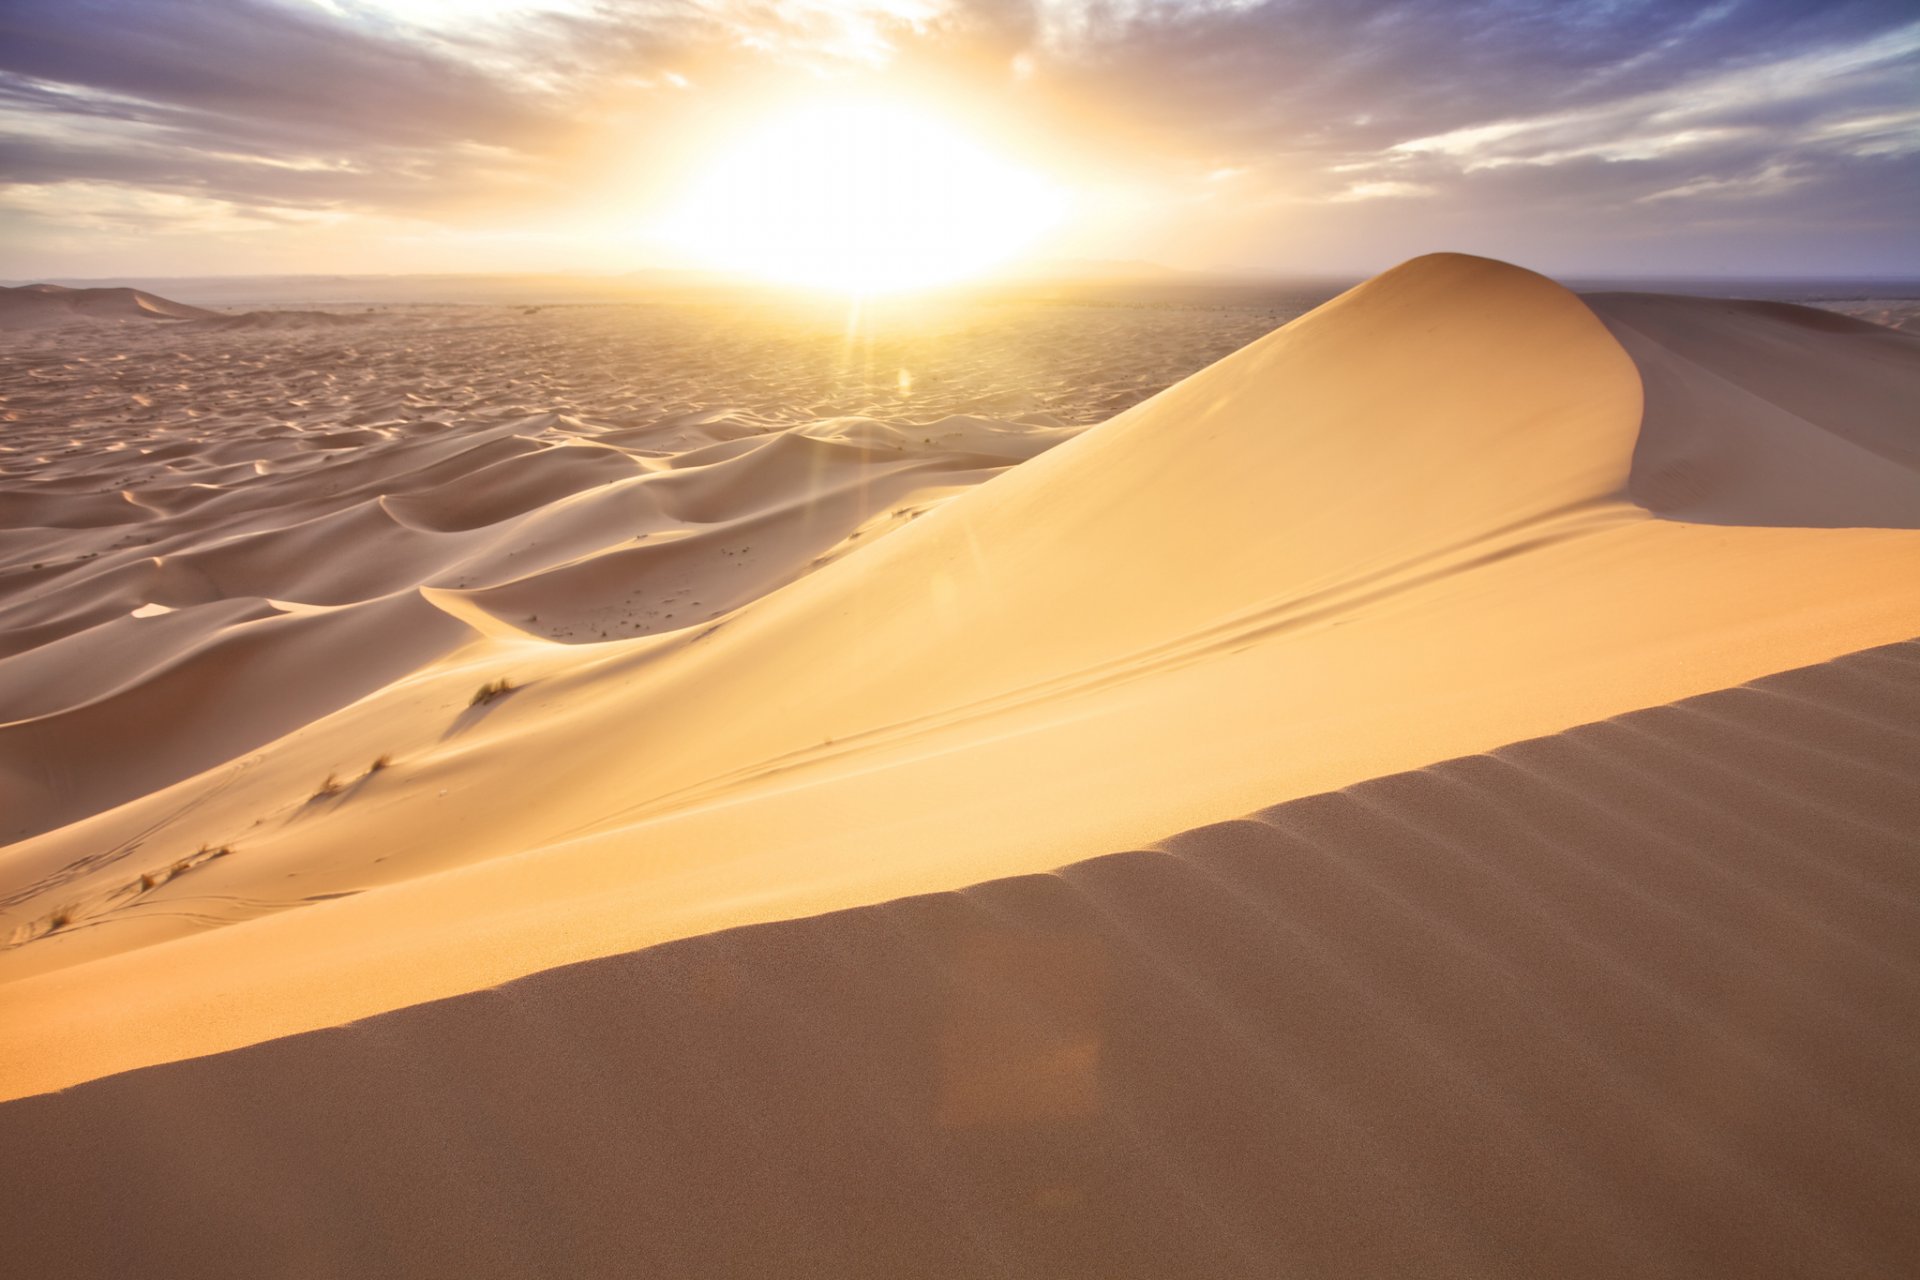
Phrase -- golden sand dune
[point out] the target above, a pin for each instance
(457, 704)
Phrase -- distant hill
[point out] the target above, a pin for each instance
(44, 306)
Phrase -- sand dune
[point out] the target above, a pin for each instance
(220, 693)
(331, 510)
(39, 306)
(47, 306)
(1397, 530)
(1636, 999)
(461, 688)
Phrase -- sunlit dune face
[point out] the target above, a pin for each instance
(862, 197)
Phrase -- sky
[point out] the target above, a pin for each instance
(1295, 137)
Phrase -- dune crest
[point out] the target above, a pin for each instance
(1396, 531)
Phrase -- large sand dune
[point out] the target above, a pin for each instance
(1454, 509)
(40, 306)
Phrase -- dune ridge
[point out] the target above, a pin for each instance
(1399, 530)
(1632, 1000)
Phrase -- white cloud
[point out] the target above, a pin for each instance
(1772, 179)
(1684, 115)
(1383, 190)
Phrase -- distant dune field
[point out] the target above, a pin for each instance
(1423, 789)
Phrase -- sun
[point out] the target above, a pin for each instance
(865, 197)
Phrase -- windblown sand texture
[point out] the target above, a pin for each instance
(1568, 936)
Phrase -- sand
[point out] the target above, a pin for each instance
(1628, 998)
(1636, 999)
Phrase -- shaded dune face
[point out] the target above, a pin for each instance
(1633, 1000)
(1763, 413)
(1406, 528)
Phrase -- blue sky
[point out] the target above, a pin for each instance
(1743, 137)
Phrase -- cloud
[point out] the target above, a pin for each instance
(1791, 120)
(256, 68)
(1795, 98)
(1388, 190)
(1614, 121)
(248, 110)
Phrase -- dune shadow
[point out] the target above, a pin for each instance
(1763, 413)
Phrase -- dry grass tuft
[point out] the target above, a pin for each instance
(381, 761)
(331, 787)
(60, 919)
(490, 690)
(180, 866)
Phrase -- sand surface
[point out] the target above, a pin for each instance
(1633, 1000)
(1894, 313)
(798, 619)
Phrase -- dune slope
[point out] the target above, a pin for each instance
(1399, 530)
(1633, 1000)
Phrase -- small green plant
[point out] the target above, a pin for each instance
(490, 690)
